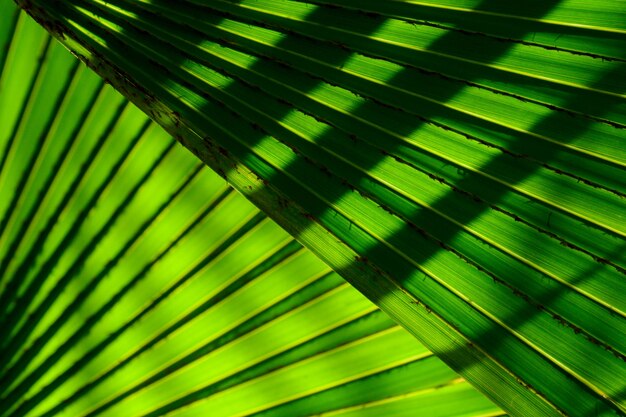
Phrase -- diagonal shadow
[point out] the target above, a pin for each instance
(470, 214)
(300, 165)
(517, 147)
(494, 337)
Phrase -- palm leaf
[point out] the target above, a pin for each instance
(461, 163)
(135, 282)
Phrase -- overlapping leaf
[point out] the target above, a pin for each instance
(136, 282)
(461, 163)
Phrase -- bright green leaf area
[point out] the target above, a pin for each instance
(134, 281)
(461, 163)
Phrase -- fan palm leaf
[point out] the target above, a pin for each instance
(135, 281)
(460, 163)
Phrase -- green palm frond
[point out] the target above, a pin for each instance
(460, 162)
(133, 281)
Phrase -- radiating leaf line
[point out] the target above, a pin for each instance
(90, 321)
(23, 268)
(211, 256)
(11, 208)
(43, 193)
(262, 318)
(4, 52)
(383, 9)
(164, 269)
(37, 281)
(206, 391)
(22, 333)
(422, 226)
(24, 108)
